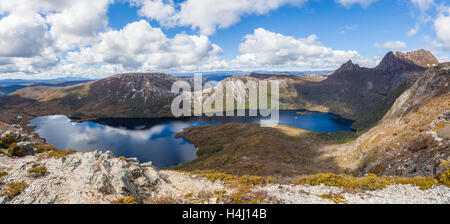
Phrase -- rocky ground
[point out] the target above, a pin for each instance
(96, 177)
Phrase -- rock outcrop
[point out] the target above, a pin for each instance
(420, 57)
(91, 177)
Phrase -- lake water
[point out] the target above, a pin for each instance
(154, 139)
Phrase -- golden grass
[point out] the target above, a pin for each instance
(38, 171)
(55, 153)
(15, 151)
(232, 180)
(14, 188)
(243, 185)
(336, 198)
(368, 182)
(445, 178)
(129, 200)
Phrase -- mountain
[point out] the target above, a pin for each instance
(410, 138)
(123, 95)
(413, 137)
(351, 91)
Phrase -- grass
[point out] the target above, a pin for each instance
(254, 150)
(336, 198)
(232, 180)
(445, 178)
(445, 164)
(38, 171)
(15, 151)
(243, 185)
(3, 173)
(129, 200)
(53, 152)
(44, 148)
(340, 137)
(7, 141)
(368, 182)
(14, 188)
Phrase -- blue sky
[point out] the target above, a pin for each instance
(209, 35)
(337, 26)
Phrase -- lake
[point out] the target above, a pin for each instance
(154, 139)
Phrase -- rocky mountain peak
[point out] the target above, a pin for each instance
(417, 60)
(348, 66)
(420, 57)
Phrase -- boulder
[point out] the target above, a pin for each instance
(27, 147)
(10, 133)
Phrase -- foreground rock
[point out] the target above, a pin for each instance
(91, 177)
(95, 177)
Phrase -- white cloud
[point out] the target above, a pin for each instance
(413, 31)
(78, 24)
(423, 18)
(391, 45)
(155, 9)
(140, 46)
(348, 29)
(423, 5)
(22, 35)
(442, 28)
(362, 3)
(207, 15)
(34, 35)
(269, 50)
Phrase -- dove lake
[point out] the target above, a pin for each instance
(153, 139)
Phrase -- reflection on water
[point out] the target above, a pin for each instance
(154, 139)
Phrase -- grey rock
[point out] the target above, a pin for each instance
(50, 199)
(27, 147)
(3, 200)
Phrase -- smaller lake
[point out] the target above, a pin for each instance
(154, 139)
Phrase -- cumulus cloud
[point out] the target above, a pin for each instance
(78, 23)
(22, 35)
(391, 45)
(362, 3)
(207, 15)
(140, 46)
(266, 49)
(442, 28)
(34, 35)
(156, 9)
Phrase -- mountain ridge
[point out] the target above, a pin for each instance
(349, 91)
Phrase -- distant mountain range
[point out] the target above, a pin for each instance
(8, 86)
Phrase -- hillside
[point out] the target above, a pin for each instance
(412, 139)
(124, 95)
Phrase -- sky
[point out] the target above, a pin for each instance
(94, 39)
